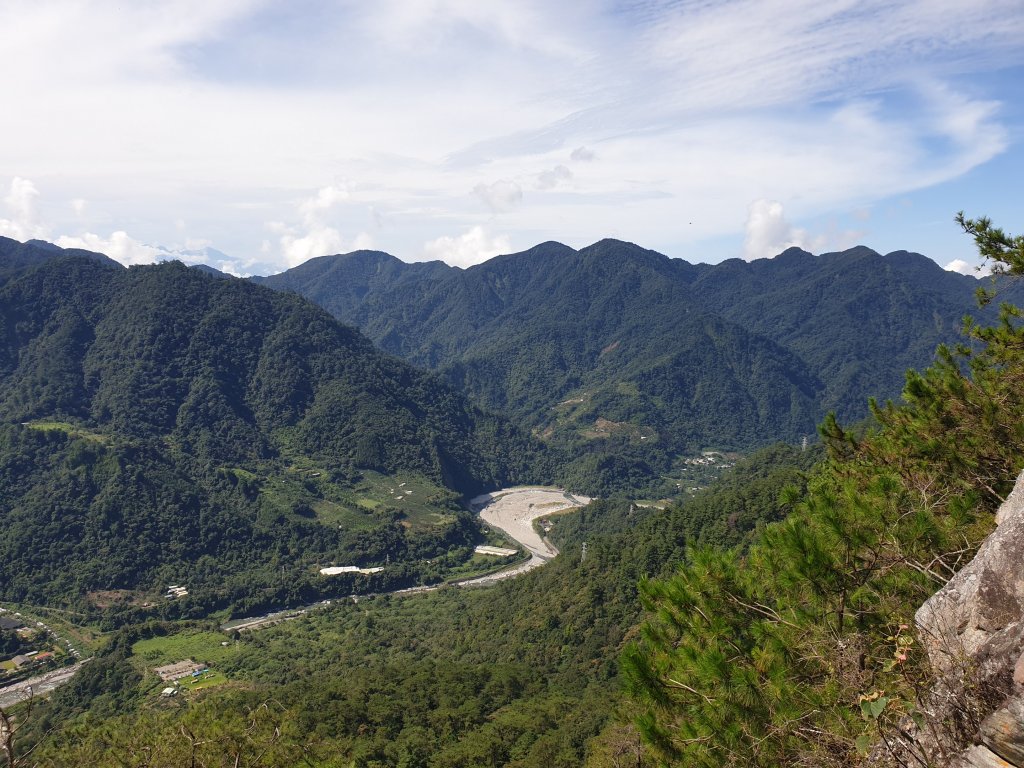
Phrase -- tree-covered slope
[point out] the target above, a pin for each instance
(809, 649)
(860, 320)
(615, 341)
(15, 255)
(521, 674)
(340, 283)
(156, 418)
(596, 343)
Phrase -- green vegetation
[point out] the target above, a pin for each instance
(159, 426)
(778, 599)
(628, 359)
(202, 645)
(801, 652)
(524, 673)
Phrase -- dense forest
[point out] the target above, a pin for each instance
(162, 426)
(629, 358)
(803, 651)
(524, 673)
(764, 621)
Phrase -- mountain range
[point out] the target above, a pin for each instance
(156, 418)
(616, 342)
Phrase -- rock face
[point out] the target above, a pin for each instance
(984, 603)
(973, 630)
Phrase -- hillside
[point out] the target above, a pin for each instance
(859, 320)
(340, 283)
(159, 424)
(618, 349)
(522, 674)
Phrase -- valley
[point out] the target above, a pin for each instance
(182, 455)
(512, 384)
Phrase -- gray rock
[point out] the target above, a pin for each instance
(981, 757)
(1003, 732)
(984, 600)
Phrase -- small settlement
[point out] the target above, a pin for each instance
(187, 668)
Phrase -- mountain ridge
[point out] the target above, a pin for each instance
(526, 332)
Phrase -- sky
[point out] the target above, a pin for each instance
(253, 135)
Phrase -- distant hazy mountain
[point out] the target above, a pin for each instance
(614, 339)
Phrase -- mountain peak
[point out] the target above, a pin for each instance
(794, 252)
(857, 251)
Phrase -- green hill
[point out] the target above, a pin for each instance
(616, 350)
(159, 425)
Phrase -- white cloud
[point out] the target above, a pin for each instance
(21, 202)
(501, 196)
(216, 113)
(966, 268)
(552, 178)
(318, 235)
(472, 247)
(317, 242)
(325, 199)
(119, 246)
(363, 242)
(769, 234)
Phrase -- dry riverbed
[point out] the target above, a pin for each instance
(513, 511)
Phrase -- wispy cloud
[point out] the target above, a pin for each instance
(663, 120)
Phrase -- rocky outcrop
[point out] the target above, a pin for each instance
(984, 603)
(973, 630)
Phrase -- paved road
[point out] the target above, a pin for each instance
(512, 510)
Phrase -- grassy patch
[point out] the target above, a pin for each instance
(209, 679)
(72, 430)
(304, 487)
(423, 503)
(344, 515)
(201, 645)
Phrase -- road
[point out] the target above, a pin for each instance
(511, 510)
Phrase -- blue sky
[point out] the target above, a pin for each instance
(460, 129)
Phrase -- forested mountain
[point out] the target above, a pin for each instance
(860, 320)
(615, 342)
(15, 255)
(340, 283)
(158, 421)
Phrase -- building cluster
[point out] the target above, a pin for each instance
(187, 668)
